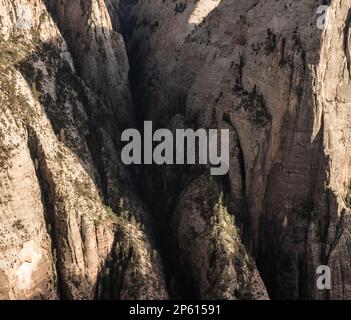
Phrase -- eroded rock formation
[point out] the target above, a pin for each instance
(282, 85)
(69, 229)
(75, 223)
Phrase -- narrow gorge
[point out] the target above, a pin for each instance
(76, 223)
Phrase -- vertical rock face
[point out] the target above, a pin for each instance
(59, 236)
(98, 51)
(75, 223)
(281, 85)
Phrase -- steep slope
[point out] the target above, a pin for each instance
(59, 239)
(75, 223)
(72, 223)
(263, 69)
(98, 51)
(155, 33)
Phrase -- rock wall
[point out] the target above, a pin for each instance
(59, 232)
(75, 223)
(281, 85)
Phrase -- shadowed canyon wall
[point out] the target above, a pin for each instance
(75, 223)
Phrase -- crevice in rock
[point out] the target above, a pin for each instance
(48, 205)
(162, 200)
(146, 178)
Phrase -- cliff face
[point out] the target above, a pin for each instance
(98, 50)
(69, 229)
(75, 223)
(282, 86)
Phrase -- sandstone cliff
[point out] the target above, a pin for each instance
(75, 223)
(64, 231)
(263, 69)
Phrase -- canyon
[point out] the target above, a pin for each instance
(76, 223)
